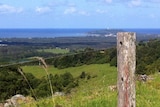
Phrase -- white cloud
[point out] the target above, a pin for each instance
(134, 3)
(70, 10)
(131, 3)
(42, 10)
(5, 9)
(74, 10)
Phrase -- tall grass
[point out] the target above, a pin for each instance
(45, 67)
(25, 78)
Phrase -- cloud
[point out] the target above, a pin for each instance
(5, 9)
(74, 10)
(144, 3)
(42, 10)
(129, 3)
(70, 10)
(134, 3)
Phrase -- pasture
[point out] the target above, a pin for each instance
(95, 92)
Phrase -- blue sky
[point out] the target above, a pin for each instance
(79, 14)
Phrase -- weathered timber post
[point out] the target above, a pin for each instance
(126, 60)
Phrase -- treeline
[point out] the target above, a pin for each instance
(10, 54)
(12, 82)
(147, 57)
(19, 49)
(89, 56)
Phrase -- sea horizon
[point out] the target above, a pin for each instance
(64, 32)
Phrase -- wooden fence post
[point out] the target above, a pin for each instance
(126, 61)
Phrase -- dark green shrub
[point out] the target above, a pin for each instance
(83, 75)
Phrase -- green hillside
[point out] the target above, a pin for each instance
(85, 78)
(95, 92)
(93, 69)
(54, 50)
(89, 92)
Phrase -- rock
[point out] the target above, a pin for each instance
(17, 99)
(142, 77)
(59, 94)
(8, 103)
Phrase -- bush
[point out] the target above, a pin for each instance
(12, 82)
(83, 75)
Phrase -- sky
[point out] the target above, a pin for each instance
(79, 13)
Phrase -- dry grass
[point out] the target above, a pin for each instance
(45, 67)
(21, 72)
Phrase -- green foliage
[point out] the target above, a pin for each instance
(113, 61)
(10, 54)
(148, 62)
(12, 82)
(54, 50)
(60, 83)
(43, 89)
(148, 56)
(95, 92)
(19, 49)
(154, 67)
(87, 57)
(83, 75)
(91, 92)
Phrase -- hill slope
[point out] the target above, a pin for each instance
(95, 92)
(90, 91)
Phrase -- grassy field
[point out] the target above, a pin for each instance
(95, 92)
(94, 69)
(55, 50)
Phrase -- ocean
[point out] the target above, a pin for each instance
(51, 33)
(144, 31)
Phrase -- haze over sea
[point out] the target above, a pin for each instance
(51, 33)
